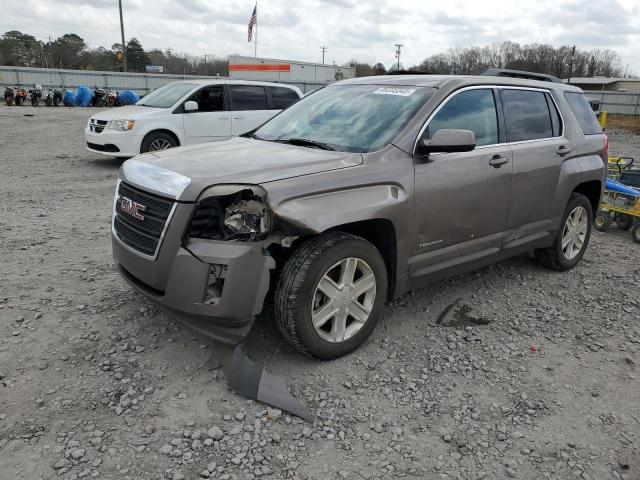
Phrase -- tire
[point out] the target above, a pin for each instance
(635, 231)
(19, 100)
(48, 102)
(602, 222)
(555, 257)
(34, 101)
(298, 290)
(8, 101)
(157, 139)
(56, 102)
(624, 221)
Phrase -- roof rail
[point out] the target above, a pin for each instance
(504, 72)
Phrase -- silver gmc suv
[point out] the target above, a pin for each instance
(356, 194)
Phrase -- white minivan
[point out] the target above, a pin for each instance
(187, 112)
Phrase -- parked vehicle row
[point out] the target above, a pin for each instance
(83, 96)
(185, 113)
(349, 198)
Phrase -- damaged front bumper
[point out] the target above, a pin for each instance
(215, 287)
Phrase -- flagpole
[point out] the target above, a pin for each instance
(255, 50)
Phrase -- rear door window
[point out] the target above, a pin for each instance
(248, 97)
(583, 112)
(473, 110)
(282, 97)
(526, 114)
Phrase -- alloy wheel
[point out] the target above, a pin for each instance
(574, 232)
(343, 300)
(159, 144)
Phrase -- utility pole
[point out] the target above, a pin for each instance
(324, 49)
(124, 46)
(398, 47)
(573, 53)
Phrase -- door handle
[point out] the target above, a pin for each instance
(223, 118)
(563, 150)
(238, 118)
(497, 161)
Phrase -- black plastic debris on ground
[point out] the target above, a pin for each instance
(253, 381)
(460, 315)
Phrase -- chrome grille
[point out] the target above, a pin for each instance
(143, 235)
(97, 126)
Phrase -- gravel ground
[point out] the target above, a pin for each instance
(539, 380)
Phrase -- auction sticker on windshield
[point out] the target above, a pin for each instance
(404, 92)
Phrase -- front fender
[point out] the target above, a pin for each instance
(320, 212)
(155, 125)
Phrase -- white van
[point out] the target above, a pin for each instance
(187, 112)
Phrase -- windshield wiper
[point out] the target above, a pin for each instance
(305, 142)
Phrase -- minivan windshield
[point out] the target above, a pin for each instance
(352, 118)
(167, 95)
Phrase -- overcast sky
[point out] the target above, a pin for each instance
(362, 29)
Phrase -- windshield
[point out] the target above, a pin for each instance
(166, 96)
(353, 118)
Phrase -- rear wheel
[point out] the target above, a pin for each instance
(34, 101)
(8, 101)
(156, 141)
(330, 294)
(624, 221)
(572, 238)
(602, 221)
(19, 100)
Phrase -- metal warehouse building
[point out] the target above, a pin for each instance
(307, 76)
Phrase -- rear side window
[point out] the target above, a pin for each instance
(248, 97)
(556, 120)
(473, 110)
(282, 97)
(583, 112)
(526, 114)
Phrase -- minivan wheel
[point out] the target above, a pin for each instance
(330, 294)
(572, 237)
(157, 141)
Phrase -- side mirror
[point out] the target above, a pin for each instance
(449, 140)
(191, 106)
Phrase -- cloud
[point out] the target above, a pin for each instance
(349, 28)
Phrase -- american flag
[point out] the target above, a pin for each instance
(253, 21)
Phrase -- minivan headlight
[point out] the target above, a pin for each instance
(231, 212)
(122, 125)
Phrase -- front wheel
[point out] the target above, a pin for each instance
(156, 141)
(34, 101)
(330, 294)
(572, 237)
(8, 101)
(19, 100)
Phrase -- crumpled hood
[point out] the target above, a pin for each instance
(238, 160)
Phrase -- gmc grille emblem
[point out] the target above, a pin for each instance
(132, 208)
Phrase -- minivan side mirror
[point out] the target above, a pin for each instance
(191, 106)
(449, 140)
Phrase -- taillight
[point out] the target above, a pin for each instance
(606, 147)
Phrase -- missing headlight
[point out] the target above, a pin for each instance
(247, 218)
(231, 212)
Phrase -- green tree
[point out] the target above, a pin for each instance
(20, 49)
(137, 58)
(66, 51)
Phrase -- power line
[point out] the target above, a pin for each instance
(398, 47)
(324, 49)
